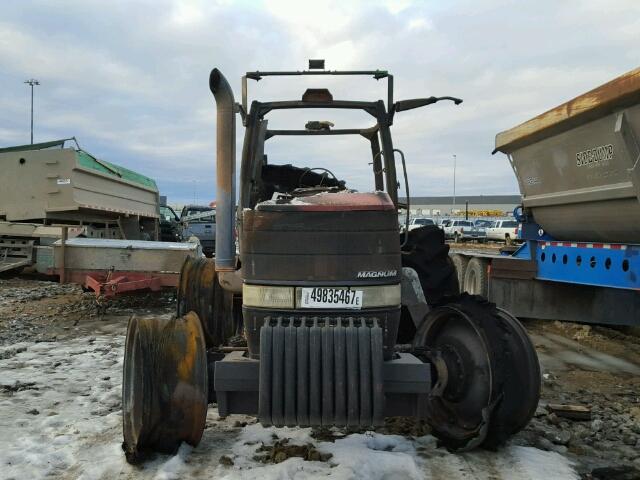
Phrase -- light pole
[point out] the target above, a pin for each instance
(454, 184)
(32, 82)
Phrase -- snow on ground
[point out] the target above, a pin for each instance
(60, 418)
(372, 456)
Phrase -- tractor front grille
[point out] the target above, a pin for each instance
(321, 371)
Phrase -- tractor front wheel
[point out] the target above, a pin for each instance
(488, 376)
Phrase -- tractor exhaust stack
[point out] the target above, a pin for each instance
(225, 171)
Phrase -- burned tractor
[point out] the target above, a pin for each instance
(346, 320)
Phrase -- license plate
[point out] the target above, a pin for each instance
(325, 297)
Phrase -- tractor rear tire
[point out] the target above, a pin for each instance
(164, 387)
(488, 376)
(428, 254)
(199, 291)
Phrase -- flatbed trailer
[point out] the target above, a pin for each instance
(578, 169)
(585, 283)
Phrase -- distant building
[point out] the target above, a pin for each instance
(479, 205)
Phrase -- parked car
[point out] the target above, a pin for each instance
(483, 223)
(444, 222)
(503, 230)
(170, 229)
(200, 221)
(462, 230)
(420, 222)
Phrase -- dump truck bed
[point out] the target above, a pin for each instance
(64, 184)
(577, 164)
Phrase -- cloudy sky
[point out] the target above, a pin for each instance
(129, 79)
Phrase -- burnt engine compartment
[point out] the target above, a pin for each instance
(296, 181)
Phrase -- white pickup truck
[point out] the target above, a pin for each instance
(503, 230)
(420, 222)
(200, 221)
(461, 230)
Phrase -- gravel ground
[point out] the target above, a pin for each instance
(61, 361)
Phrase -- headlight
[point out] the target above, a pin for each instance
(268, 296)
(381, 296)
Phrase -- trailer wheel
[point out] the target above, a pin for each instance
(199, 291)
(476, 277)
(164, 387)
(428, 254)
(460, 263)
(488, 377)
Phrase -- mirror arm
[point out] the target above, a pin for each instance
(403, 105)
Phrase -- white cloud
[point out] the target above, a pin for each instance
(419, 23)
(47, 56)
(130, 78)
(397, 6)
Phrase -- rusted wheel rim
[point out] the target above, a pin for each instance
(182, 286)
(164, 389)
(460, 406)
(135, 394)
(200, 292)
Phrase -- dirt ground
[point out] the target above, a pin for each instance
(60, 380)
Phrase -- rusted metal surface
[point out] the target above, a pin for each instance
(164, 389)
(225, 170)
(163, 280)
(199, 291)
(111, 284)
(320, 247)
(620, 92)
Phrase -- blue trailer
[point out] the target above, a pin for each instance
(578, 170)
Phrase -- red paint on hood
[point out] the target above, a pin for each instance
(330, 202)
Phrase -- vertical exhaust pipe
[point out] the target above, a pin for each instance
(225, 171)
